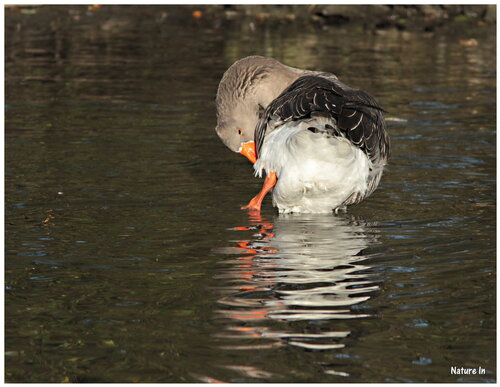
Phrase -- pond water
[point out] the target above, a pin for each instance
(127, 258)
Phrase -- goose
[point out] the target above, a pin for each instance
(321, 144)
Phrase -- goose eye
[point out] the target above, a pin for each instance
(239, 131)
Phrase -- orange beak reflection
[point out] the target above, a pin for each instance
(248, 150)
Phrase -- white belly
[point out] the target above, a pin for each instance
(316, 173)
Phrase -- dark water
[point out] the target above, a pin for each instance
(128, 259)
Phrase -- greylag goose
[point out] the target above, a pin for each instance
(322, 144)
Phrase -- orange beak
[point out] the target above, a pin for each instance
(248, 150)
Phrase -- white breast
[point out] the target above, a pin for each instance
(317, 173)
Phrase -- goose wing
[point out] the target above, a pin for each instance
(355, 113)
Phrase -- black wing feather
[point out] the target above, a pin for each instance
(357, 114)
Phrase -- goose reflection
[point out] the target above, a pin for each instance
(299, 268)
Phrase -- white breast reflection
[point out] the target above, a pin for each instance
(296, 268)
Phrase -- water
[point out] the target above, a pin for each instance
(128, 259)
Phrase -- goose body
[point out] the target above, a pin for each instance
(321, 144)
(316, 172)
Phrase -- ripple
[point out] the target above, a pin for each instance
(297, 269)
(320, 347)
(422, 361)
(336, 373)
(418, 323)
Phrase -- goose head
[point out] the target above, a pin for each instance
(245, 90)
